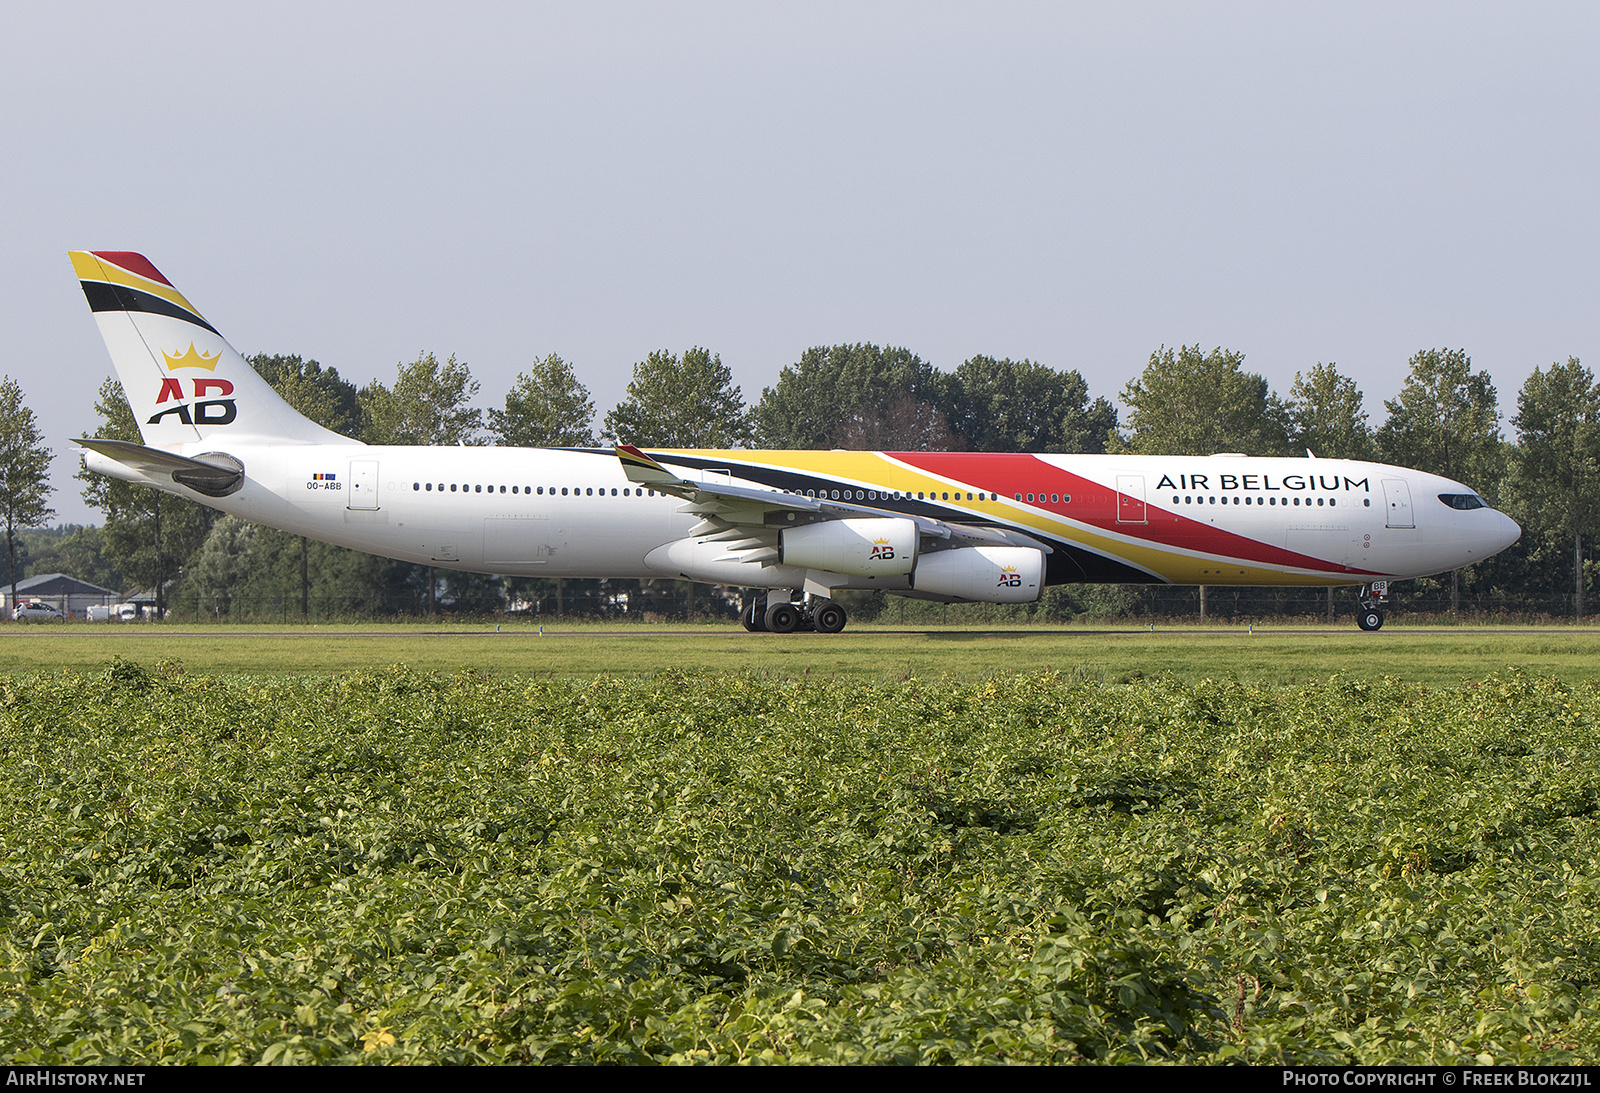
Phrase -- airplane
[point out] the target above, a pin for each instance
(794, 527)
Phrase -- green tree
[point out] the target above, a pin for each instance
(222, 567)
(148, 535)
(318, 393)
(835, 390)
(71, 549)
(1327, 415)
(1446, 420)
(430, 403)
(1189, 403)
(1022, 406)
(681, 402)
(24, 471)
(1556, 464)
(546, 408)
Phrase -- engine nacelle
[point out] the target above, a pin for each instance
(868, 547)
(984, 574)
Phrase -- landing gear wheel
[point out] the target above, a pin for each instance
(829, 618)
(753, 617)
(1370, 619)
(782, 618)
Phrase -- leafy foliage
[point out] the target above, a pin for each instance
(430, 403)
(546, 408)
(1445, 420)
(24, 472)
(1190, 403)
(1326, 415)
(861, 390)
(1555, 469)
(687, 401)
(391, 867)
(1023, 406)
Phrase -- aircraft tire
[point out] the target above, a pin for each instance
(1370, 619)
(782, 618)
(829, 618)
(751, 618)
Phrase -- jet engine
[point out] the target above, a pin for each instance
(984, 574)
(868, 547)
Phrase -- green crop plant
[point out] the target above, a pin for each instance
(397, 866)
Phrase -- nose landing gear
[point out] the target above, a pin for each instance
(1373, 598)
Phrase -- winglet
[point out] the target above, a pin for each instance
(641, 468)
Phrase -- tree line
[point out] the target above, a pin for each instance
(1446, 419)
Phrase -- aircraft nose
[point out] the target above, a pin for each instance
(1508, 532)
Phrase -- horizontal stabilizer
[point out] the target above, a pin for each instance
(215, 475)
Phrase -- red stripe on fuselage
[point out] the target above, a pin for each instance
(1095, 504)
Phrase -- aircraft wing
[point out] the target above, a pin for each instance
(741, 514)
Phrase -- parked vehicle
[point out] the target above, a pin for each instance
(36, 611)
(116, 612)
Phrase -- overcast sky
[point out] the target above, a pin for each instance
(1074, 183)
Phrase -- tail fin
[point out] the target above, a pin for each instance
(184, 382)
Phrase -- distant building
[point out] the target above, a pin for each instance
(73, 596)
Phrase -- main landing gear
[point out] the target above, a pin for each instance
(775, 612)
(1373, 597)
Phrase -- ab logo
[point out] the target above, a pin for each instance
(217, 411)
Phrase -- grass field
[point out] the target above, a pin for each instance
(1268, 655)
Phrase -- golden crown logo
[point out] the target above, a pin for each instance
(880, 542)
(192, 359)
(1008, 569)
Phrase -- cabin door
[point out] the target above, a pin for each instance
(363, 484)
(1397, 499)
(1130, 499)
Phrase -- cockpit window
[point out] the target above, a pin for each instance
(1463, 501)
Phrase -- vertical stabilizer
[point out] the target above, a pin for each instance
(184, 382)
